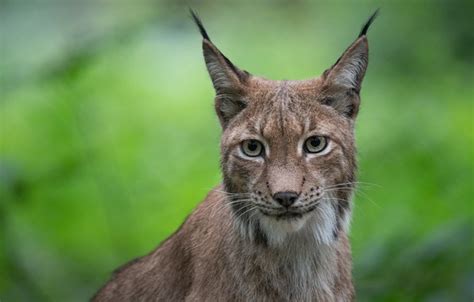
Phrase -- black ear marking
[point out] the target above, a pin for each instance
(367, 24)
(348, 72)
(199, 24)
(205, 36)
(228, 80)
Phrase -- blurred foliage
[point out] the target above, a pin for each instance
(108, 137)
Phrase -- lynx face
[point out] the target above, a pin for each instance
(288, 154)
(287, 157)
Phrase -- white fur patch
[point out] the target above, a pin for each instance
(277, 231)
(347, 218)
(318, 224)
(323, 222)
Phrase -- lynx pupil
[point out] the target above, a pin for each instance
(252, 148)
(315, 144)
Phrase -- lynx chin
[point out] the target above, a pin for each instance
(276, 229)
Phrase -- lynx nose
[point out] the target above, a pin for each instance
(286, 199)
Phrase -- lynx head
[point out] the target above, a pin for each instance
(288, 152)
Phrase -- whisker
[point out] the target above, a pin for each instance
(226, 203)
(366, 196)
(245, 212)
(340, 189)
(252, 215)
(313, 203)
(232, 193)
(349, 184)
(266, 206)
(361, 194)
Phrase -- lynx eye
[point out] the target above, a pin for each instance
(252, 148)
(315, 144)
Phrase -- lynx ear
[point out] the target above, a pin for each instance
(228, 80)
(348, 72)
(350, 68)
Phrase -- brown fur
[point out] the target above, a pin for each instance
(236, 246)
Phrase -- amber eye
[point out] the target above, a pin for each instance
(252, 147)
(315, 144)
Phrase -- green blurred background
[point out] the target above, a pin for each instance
(109, 139)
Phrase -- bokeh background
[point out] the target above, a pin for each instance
(109, 139)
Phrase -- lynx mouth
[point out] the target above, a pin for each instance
(290, 213)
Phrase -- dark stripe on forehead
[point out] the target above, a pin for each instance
(255, 126)
(281, 120)
(281, 97)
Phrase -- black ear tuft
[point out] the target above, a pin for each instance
(198, 22)
(367, 24)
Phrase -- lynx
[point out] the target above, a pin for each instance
(276, 229)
